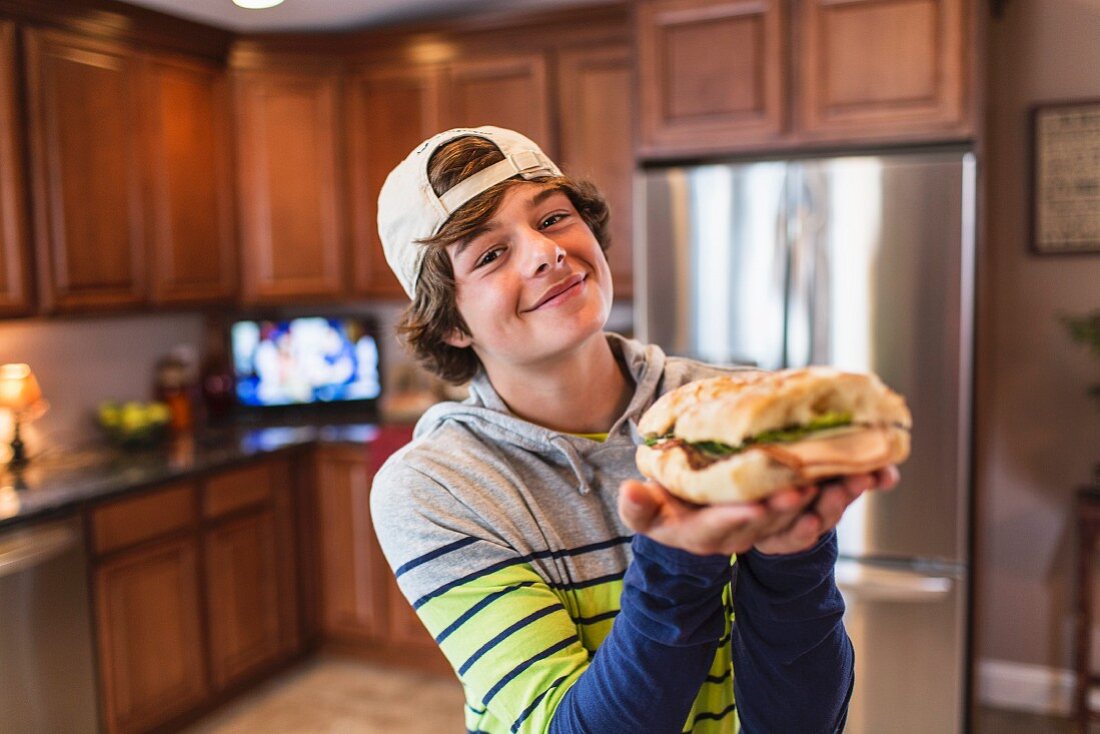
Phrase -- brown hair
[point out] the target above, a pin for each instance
(433, 314)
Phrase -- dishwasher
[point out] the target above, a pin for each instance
(47, 674)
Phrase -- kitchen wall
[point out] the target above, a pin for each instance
(1039, 436)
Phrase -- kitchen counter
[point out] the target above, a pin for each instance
(63, 482)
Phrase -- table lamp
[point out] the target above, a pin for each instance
(19, 393)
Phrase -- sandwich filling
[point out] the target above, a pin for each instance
(836, 430)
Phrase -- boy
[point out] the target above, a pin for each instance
(568, 595)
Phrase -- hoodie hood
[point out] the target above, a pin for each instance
(485, 412)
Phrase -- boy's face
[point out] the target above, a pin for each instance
(533, 283)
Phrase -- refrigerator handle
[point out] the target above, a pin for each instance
(883, 584)
(798, 337)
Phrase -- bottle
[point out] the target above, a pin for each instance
(216, 379)
(175, 380)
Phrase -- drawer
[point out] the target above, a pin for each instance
(135, 519)
(239, 488)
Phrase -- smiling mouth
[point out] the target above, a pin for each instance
(566, 286)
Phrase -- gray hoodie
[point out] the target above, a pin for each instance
(490, 522)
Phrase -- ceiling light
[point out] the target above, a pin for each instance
(257, 4)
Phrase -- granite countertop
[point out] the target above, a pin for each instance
(63, 481)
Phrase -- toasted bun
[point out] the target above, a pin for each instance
(730, 409)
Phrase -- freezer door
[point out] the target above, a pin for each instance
(884, 283)
(712, 274)
(908, 632)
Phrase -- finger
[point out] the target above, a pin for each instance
(638, 505)
(857, 484)
(728, 525)
(792, 498)
(835, 499)
(785, 507)
(888, 477)
(801, 535)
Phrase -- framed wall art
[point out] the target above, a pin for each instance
(1065, 179)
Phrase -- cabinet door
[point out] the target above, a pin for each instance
(292, 233)
(242, 578)
(595, 89)
(883, 68)
(86, 170)
(713, 74)
(508, 91)
(390, 111)
(353, 572)
(150, 640)
(191, 234)
(15, 286)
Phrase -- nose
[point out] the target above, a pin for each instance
(544, 254)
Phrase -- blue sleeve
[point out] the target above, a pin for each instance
(646, 674)
(792, 659)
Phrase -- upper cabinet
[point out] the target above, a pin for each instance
(191, 197)
(289, 183)
(15, 281)
(509, 90)
(743, 75)
(596, 145)
(86, 170)
(391, 109)
(883, 67)
(713, 72)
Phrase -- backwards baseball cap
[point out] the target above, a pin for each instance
(409, 210)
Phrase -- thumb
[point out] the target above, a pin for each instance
(637, 506)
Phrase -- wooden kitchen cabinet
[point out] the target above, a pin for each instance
(714, 74)
(596, 99)
(150, 635)
(194, 580)
(741, 75)
(289, 183)
(391, 109)
(15, 272)
(353, 571)
(242, 596)
(873, 68)
(149, 624)
(86, 170)
(507, 90)
(190, 197)
(250, 575)
(363, 611)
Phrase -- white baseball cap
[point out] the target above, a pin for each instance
(410, 212)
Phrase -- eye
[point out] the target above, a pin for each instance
(489, 256)
(553, 219)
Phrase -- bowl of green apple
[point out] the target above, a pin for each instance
(133, 424)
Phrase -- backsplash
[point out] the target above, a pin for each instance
(80, 362)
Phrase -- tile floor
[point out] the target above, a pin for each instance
(329, 695)
(336, 696)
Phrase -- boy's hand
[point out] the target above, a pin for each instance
(788, 521)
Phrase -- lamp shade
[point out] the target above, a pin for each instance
(18, 388)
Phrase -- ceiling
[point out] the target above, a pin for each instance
(332, 15)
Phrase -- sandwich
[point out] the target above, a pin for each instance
(743, 436)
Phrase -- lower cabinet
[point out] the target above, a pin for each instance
(196, 593)
(242, 597)
(203, 586)
(363, 611)
(150, 635)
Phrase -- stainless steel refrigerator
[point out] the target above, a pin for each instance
(866, 263)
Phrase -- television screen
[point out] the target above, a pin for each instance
(305, 361)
